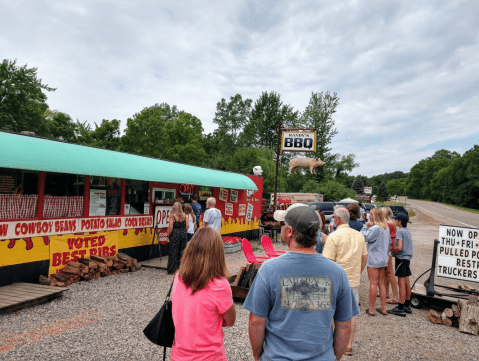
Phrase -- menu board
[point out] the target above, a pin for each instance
(7, 182)
(113, 199)
(97, 202)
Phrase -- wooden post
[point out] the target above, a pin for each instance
(277, 164)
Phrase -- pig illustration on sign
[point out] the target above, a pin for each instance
(304, 163)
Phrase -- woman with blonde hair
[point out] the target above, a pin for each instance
(202, 300)
(376, 234)
(390, 277)
(190, 222)
(177, 237)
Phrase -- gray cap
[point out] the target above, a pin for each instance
(301, 219)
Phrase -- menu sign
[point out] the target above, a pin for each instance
(113, 199)
(7, 183)
(97, 202)
(458, 253)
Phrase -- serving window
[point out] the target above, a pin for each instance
(137, 197)
(164, 195)
(18, 193)
(105, 196)
(64, 195)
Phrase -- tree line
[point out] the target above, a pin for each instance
(246, 136)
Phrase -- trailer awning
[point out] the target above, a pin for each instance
(31, 153)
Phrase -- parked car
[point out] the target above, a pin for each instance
(326, 207)
(368, 207)
(398, 209)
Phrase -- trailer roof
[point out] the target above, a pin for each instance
(33, 153)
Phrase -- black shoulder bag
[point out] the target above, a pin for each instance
(161, 330)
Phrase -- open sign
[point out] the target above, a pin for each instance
(162, 216)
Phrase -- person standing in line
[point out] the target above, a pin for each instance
(294, 298)
(354, 214)
(177, 237)
(321, 236)
(378, 239)
(202, 300)
(212, 217)
(402, 253)
(390, 277)
(347, 248)
(196, 208)
(190, 222)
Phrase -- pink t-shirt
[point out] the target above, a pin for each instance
(198, 321)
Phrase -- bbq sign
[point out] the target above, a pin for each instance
(458, 253)
(298, 141)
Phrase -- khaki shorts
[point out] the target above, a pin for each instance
(356, 293)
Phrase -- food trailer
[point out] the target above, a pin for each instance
(60, 202)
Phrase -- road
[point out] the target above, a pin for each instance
(445, 214)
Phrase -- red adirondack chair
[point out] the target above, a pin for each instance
(269, 248)
(249, 254)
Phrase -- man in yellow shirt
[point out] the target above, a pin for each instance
(347, 247)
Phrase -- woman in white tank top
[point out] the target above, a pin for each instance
(190, 221)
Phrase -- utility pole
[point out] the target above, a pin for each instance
(277, 164)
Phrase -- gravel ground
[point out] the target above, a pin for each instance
(104, 319)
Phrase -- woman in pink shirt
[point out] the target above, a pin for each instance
(202, 300)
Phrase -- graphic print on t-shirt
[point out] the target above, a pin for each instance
(306, 293)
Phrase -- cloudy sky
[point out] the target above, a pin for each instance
(406, 72)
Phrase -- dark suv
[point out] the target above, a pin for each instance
(398, 209)
(326, 207)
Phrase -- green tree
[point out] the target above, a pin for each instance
(22, 99)
(267, 112)
(231, 117)
(244, 159)
(60, 126)
(145, 134)
(340, 166)
(331, 190)
(358, 185)
(106, 135)
(184, 136)
(318, 115)
(396, 186)
(382, 193)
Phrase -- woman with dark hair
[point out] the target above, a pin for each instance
(324, 228)
(376, 234)
(177, 237)
(354, 215)
(202, 300)
(321, 235)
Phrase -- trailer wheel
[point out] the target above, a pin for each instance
(417, 302)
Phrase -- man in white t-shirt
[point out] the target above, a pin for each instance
(212, 217)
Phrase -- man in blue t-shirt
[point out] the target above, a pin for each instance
(196, 208)
(295, 297)
(402, 253)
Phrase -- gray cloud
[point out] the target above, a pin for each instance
(406, 71)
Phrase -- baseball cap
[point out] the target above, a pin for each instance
(403, 217)
(299, 216)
